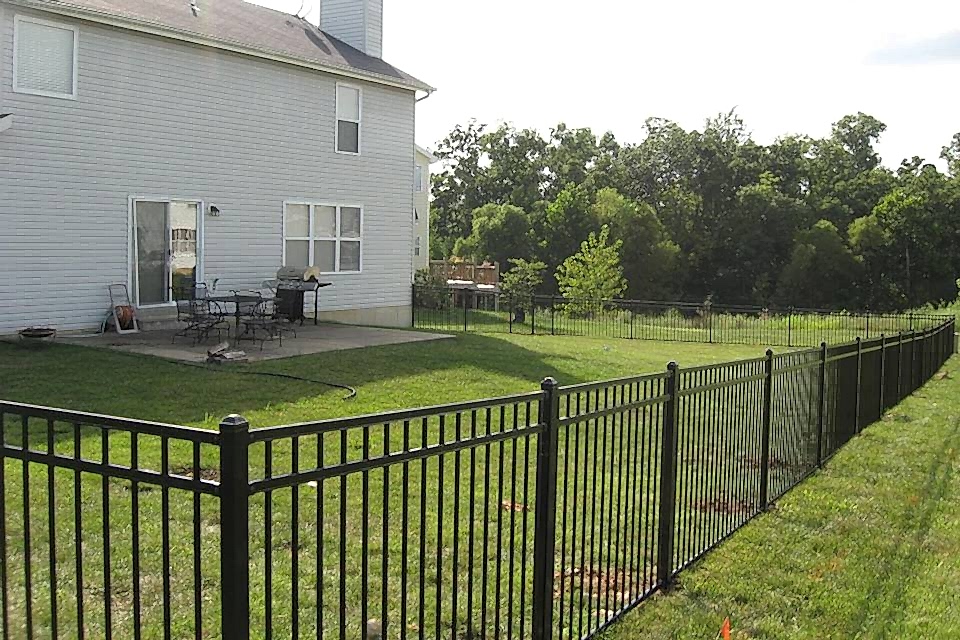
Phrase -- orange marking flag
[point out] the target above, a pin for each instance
(725, 629)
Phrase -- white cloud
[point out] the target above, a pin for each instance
(609, 64)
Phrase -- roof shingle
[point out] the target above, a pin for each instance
(240, 23)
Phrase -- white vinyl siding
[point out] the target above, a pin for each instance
(349, 113)
(157, 117)
(323, 235)
(45, 58)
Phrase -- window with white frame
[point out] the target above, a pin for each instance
(416, 247)
(44, 58)
(418, 178)
(349, 109)
(325, 236)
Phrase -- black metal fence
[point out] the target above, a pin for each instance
(453, 309)
(539, 515)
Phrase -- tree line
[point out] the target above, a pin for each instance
(711, 214)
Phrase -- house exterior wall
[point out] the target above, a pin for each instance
(421, 224)
(160, 118)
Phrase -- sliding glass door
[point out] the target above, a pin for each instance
(167, 250)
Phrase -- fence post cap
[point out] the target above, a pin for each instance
(549, 383)
(769, 353)
(234, 422)
(672, 365)
(858, 339)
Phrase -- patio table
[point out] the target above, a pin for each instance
(237, 299)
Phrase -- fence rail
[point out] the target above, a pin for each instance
(452, 309)
(540, 515)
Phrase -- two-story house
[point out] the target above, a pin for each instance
(146, 141)
(421, 208)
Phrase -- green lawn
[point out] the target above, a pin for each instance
(467, 367)
(836, 557)
(868, 548)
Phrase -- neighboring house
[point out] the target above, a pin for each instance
(153, 141)
(421, 208)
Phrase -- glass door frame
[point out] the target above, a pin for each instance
(132, 265)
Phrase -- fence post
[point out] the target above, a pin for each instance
(883, 369)
(856, 414)
(867, 316)
(545, 512)
(234, 528)
(790, 327)
(510, 312)
(821, 409)
(413, 307)
(466, 308)
(710, 321)
(553, 315)
(533, 315)
(900, 367)
(765, 436)
(668, 479)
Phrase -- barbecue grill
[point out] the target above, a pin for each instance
(291, 285)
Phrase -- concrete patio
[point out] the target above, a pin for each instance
(309, 340)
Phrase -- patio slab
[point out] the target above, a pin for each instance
(309, 340)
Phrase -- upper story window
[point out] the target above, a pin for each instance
(325, 236)
(349, 110)
(45, 58)
(418, 178)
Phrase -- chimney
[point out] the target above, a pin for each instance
(359, 23)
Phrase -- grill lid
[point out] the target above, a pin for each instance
(299, 273)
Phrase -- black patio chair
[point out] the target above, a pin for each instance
(262, 323)
(200, 318)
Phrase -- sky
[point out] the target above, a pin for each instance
(787, 67)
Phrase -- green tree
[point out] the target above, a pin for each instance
(951, 155)
(561, 225)
(499, 233)
(455, 187)
(593, 273)
(651, 261)
(819, 255)
(520, 284)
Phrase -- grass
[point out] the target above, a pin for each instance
(868, 548)
(465, 368)
(446, 504)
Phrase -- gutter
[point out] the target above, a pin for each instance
(157, 29)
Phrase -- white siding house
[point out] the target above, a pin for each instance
(148, 115)
(421, 208)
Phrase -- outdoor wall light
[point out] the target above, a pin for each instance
(214, 210)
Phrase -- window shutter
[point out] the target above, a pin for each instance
(45, 58)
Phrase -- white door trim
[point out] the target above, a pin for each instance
(132, 243)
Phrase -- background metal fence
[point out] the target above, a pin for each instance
(483, 311)
(541, 515)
